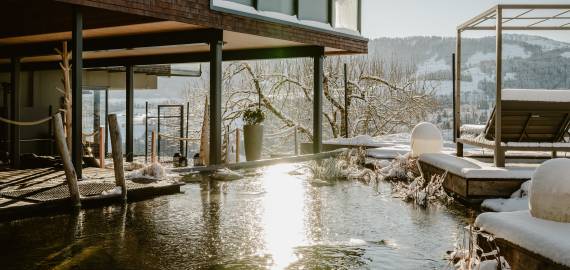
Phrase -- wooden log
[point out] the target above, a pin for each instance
(237, 144)
(153, 158)
(117, 153)
(102, 147)
(70, 174)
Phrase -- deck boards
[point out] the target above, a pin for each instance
(34, 189)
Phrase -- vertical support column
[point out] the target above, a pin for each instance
(347, 94)
(146, 132)
(106, 121)
(318, 60)
(15, 112)
(77, 91)
(457, 98)
(499, 152)
(216, 100)
(130, 89)
(97, 111)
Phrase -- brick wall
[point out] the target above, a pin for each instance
(198, 12)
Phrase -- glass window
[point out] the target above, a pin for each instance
(315, 10)
(250, 3)
(346, 14)
(281, 6)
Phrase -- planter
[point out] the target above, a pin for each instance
(253, 141)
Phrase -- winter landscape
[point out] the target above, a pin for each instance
(237, 134)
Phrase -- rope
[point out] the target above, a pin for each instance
(287, 131)
(177, 138)
(90, 134)
(24, 123)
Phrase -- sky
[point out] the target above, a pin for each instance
(401, 18)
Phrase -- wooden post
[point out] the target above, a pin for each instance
(499, 152)
(153, 158)
(117, 153)
(457, 98)
(237, 144)
(102, 147)
(70, 173)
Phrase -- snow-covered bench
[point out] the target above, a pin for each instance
(472, 181)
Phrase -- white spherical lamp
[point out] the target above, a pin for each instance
(550, 191)
(426, 138)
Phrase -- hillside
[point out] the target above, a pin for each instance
(529, 61)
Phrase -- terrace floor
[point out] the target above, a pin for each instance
(31, 191)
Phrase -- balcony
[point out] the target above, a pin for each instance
(338, 16)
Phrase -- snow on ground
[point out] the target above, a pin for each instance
(509, 51)
(517, 202)
(515, 51)
(542, 95)
(433, 65)
(547, 238)
(471, 168)
(360, 140)
(565, 55)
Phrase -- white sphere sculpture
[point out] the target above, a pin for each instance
(550, 191)
(426, 138)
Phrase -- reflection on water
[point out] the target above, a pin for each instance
(269, 220)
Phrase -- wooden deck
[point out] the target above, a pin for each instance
(473, 191)
(41, 191)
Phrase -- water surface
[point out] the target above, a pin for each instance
(269, 220)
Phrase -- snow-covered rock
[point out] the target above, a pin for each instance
(550, 191)
(426, 138)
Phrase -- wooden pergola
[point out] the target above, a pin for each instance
(516, 17)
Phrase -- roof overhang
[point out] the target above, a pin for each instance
(522, 17)
(113, 38)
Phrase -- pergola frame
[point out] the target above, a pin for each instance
(559, 21)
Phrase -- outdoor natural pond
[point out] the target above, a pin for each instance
(274, 218)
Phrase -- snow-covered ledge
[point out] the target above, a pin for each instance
(471, 168)
(547, 238)
(537, 95)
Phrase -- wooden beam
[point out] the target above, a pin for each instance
(318, 76)
(15, 105)
(216, 102)
(499, 152)
(523, 132)
(194, 57)
(129, 77)
(77, 92)
(146, 40)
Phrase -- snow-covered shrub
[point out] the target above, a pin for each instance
(550, 191)
(469, 254)
(426, 138)
(347, 166)
(154, 171)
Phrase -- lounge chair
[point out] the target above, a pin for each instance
(532, 120)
